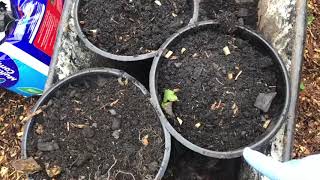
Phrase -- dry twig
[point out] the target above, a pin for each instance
(127, 173)
(109, 170)
(37, 112)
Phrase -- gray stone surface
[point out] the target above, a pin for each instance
(276, 22)
(72, 56)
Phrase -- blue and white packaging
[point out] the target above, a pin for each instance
(26, 50)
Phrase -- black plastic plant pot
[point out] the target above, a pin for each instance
(76, 80)
(120, 57)
(171, 122)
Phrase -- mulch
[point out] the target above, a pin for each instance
(307, 136)
(13, 109)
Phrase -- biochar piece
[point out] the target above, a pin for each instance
(264, 101)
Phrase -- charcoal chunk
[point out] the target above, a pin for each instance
(264, 101)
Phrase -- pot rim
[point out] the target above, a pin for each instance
(107, 71)
(265, 138)
(124, 58)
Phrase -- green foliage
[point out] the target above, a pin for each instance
(169, 96)
(302, 87)
(310, 19)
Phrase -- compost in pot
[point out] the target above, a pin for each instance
(135, 27)
(97, 128)
(220, 92)
(241, 12)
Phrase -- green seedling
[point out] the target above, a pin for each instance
(168, 97)
(310, 19)
(302, 87)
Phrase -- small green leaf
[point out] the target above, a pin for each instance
(169, 96)
(302, 87)
(310, 19)
(31, 90)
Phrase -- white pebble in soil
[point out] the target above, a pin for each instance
(95, 125)
(112, 112)
(116, 134)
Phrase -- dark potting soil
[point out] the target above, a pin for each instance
(241, 12)
(132, 27)
(222, 107)
(100, 129)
